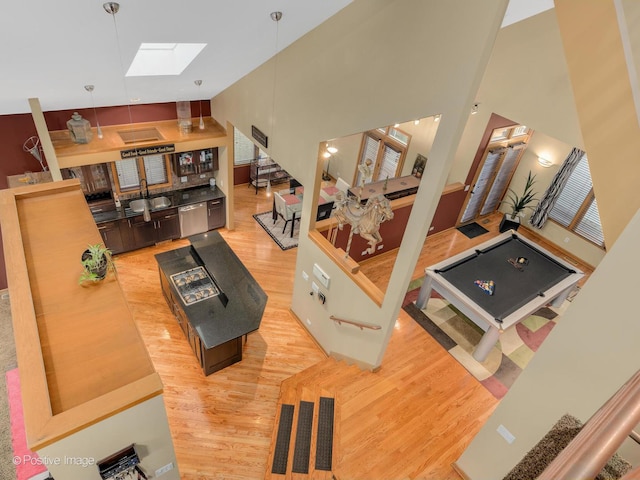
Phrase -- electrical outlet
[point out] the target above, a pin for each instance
(308, 322)
(162, 470)
(506, 434)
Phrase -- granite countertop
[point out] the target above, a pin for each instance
(178, 198)
(239, 307)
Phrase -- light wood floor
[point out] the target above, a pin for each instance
(411, 419)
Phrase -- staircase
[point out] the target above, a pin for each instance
(303, 444)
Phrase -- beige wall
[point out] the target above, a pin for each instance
(593, 349)
(145, 425)
(373, 64)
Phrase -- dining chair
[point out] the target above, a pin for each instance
(287, 214)
(342, 186)
(324, 211)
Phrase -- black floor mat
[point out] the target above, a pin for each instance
(302, 447)
(472, 229)
(324, 446)
(281, 453)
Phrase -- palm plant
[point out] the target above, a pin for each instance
(518, 203)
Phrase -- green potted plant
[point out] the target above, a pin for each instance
(96, 261)
(518, 204)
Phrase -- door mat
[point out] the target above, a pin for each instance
(284, 240)
(472, 229)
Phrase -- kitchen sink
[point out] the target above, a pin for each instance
(139, 205)
(160, 202)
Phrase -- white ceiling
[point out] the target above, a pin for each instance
(50, 50)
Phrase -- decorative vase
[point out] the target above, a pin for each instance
(79, 129)
(509, 222)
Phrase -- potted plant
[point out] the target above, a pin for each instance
(96, 260)
(517, 204)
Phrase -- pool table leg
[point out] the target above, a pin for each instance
(425, 292)
(486, 343)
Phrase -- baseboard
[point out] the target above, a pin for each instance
(459, 471)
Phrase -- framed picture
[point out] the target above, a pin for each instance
(418, 166)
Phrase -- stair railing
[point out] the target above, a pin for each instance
(362, 325)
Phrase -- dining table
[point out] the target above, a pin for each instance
(293, 201)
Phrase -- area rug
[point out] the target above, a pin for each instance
(27, 463)
(459, 336)
(283, 240)
(472, 229)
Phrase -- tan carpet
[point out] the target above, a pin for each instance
(7, 362)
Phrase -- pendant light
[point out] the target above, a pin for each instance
(198, 83)
(89, 88)
(275, 16)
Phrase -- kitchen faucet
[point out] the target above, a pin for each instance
(142, 194)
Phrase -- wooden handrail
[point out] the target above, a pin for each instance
(362, 325)
(604, 432)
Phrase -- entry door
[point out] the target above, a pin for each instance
(492, 181)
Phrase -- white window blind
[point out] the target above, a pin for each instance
(390, 160)
(573, 194)
(576, 197)
(243, 149)
(128, 174)
(371, 146)
(154, 169)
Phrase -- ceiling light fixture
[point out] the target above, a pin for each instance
(474, 108)
(416, 122)
(89, 88)
(437, 118)
(198, 83)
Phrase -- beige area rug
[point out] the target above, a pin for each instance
(7, 362)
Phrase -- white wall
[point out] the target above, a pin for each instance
(145, 425)
(375, 63)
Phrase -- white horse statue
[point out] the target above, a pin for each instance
(364, 219)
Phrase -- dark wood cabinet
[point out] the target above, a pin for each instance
(112, 236)
(94, 179)
(210, 359)
(196, 162)
(164, 225)
(216, 213)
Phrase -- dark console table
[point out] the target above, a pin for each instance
(214, 298)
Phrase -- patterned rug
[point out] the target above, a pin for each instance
(284, 240)
(459, 336)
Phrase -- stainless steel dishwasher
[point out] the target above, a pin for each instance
(193, 219)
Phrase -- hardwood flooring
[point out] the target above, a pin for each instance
(410, 419)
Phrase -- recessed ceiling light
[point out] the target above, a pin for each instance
(163, 58)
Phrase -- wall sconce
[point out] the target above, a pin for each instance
(416, 122)
(546, 163)
(437, 118)
(474, 108)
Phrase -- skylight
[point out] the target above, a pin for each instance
(163, 58)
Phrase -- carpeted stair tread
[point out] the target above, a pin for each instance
(324, 441)
(281, 453)
(302, 447)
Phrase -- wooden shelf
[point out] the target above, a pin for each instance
(107, 149)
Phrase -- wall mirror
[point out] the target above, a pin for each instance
(389, 160)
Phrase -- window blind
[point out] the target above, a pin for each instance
(243, 149)
(154, 169)
(128, 177)
(573, 194)
(390, 159)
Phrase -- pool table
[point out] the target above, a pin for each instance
(524, 277)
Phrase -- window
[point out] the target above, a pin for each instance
(576, 208)
(153, 168)
(244, 150)
(386, 148)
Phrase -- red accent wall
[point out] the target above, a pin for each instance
(391, 231)
(15, 129)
